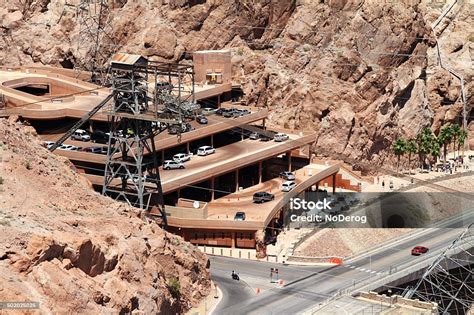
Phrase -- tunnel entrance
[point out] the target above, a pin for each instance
(395, 222)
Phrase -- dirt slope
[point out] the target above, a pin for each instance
(73, 250)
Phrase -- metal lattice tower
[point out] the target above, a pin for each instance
(449, 280)
(94, 45)
(148, 98)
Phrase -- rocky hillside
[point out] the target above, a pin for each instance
(73, 250)
(361, 73)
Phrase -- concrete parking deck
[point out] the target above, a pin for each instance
(80, 98)
(164, 140)
(222, 210)
(226, 159)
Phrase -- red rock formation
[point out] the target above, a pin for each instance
(73, 250)
(361, 73)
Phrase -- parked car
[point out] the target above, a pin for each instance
(245, 112)
(263, 196)
(239, 216)
(201, 120)
(69, 147)
(418, 250)
(229, 113)
(81, 135)
(208, 111)
(287, 175)
(221, 111)
(92, 149)
(265, 138)
(171, 164)
(181, 157)
(254, 136)
(279, 137)
(98, 136)
(205, 150)
(48, 144)
(174, 129)
(288, 185)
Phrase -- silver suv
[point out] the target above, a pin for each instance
(172, 165)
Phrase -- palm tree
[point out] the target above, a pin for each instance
(399, 148)
(444, 138)
(461, 138)
(424, 142)
(435, 148)
(411, 149)
(456, 132)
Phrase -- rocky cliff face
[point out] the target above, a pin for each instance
(359, 72)
(73, 250)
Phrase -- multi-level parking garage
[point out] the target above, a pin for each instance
(203, 198)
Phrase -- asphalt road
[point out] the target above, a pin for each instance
(306, 287)
(253, 275)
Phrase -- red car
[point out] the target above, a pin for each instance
(418, 250)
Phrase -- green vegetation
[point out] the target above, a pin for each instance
(399, 148)
(427, 144)
(471, 38)
(240, 51)
(174, 287)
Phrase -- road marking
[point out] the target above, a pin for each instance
(361, 269)
(352, 267)
(373, 271)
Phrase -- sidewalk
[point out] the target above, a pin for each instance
(400, 182)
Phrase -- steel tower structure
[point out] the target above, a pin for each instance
(148, 98)
(449, 280)
(94, 44)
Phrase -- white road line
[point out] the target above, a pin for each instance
(352, 267)
(361, 269)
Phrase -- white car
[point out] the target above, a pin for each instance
(49, 144)
(81, 135)
(208, 111)
(288, 185)
(279, 137)
(205, 150)
(68, 147)
(181, 157)
(170, 164)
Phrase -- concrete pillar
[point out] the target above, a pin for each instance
(288, 155)
(241, 134)
(187, 147)
(162, 156)
(219, 101)
(260, 170)
(233, 239)
(212, 140)
(179, 193)
(263, 124)
(237, 180)
(334, 183)
(212, 189)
